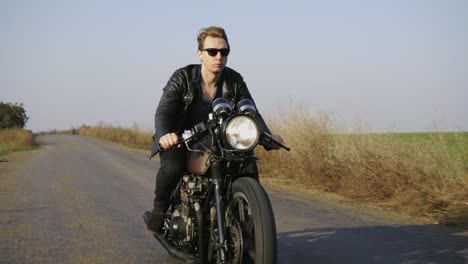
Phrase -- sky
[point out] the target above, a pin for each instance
(393, 65)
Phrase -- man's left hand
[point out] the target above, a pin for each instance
(278, 139)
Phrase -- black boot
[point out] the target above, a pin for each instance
(154, 221)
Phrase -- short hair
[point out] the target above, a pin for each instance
(216, 32)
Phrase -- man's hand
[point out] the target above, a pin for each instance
(277, 138)
(169, 140)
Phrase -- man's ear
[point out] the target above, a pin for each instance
(199, 54)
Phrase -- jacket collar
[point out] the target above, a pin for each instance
(195, 75)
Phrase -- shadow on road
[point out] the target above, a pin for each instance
(376, 244)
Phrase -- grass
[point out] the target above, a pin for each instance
(12, 140)
(132, 137)
(419, 174)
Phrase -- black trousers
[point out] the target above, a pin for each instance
(173, 166)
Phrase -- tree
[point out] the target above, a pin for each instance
(12, 115)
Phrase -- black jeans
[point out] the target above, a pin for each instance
(173, 165)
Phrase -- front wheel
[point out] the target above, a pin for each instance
(252, 231)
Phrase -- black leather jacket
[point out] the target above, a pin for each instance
(178, 96)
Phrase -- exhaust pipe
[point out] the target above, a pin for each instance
(171, 249)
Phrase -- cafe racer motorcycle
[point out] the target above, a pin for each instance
(219, 212)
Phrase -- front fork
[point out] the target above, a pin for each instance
(216, 173)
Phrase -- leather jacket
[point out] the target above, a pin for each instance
(178, 95)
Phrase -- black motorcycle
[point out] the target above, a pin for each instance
(219, 212)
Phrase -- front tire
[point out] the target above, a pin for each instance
(250, 211)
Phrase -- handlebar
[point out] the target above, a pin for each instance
(201, 129)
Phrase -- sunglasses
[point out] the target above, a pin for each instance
(213, 52)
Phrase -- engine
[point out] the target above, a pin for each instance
(183, 223)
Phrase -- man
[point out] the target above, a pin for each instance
(185, 102)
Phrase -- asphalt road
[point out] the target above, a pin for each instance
(80, 200)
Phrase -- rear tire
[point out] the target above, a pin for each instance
(250, 210)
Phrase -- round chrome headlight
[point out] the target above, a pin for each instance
(242, 133)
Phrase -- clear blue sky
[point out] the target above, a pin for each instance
(393, 64)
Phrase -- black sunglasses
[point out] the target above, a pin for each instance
(213, 52)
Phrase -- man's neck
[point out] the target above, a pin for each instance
(209, 78)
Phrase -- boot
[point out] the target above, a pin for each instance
(155, 221)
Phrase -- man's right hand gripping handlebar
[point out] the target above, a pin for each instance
(169, 140)
(166, 142)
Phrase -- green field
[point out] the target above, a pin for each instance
(453, 142)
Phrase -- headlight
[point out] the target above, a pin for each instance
(242, 133)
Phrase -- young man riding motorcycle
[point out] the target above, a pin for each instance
(186, 101)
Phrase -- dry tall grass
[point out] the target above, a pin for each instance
(423, 175)
(133, 137)
(14, 140)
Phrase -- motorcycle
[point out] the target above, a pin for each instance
(219, 212)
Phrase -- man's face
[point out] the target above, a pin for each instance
(214, 64)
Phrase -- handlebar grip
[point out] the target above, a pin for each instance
(270, 139)
(156, 148)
